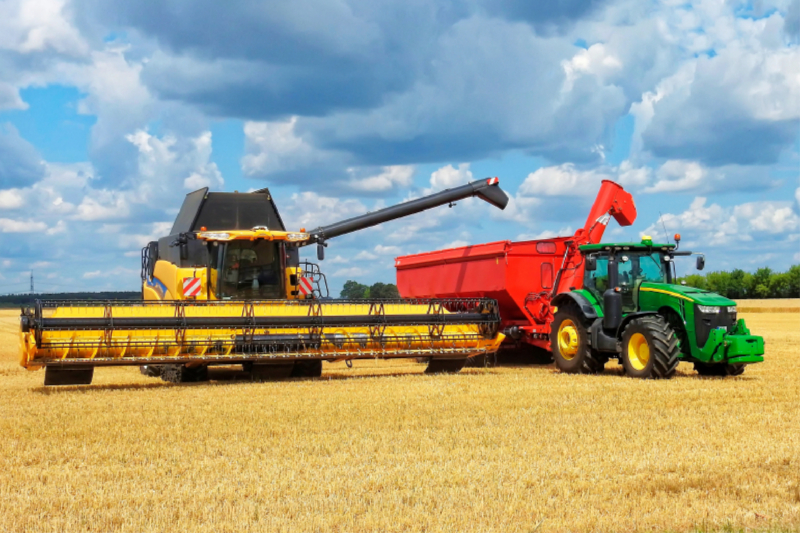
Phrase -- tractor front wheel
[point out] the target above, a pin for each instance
(570, 344)
(650, 348)
(719, 369)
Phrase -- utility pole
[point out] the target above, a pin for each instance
(31, 281)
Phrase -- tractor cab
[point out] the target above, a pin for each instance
(626, 266)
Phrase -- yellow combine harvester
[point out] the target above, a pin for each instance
(227, 287)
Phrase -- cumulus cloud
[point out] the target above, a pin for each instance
(389, 178)
(448, 177)
(20, 164)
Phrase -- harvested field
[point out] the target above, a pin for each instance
(776, 305)
(382, 447)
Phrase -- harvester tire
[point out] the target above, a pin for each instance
(650, 348)
(271, 371)
(719, 369)
(65, 375)
(307, 369)
(184, 374)
(570, 344)
(445, 366)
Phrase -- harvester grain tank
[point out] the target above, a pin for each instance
(587, 301)
(227, 287)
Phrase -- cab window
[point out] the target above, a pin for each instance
(596, 281)
(252, 270)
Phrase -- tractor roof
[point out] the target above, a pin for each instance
(227, 211)
(608, 246)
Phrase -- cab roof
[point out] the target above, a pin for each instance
(607, 246)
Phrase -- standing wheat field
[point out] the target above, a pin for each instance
(382, 447)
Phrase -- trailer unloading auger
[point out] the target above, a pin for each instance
(227, 287)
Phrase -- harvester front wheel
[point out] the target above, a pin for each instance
(720, 369)
(445, 366)
(307, 369)
(570, 344)
(650, 348)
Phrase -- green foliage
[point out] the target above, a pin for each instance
(764, 283)
(357, 291)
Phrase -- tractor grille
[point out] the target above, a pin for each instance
(704, 323)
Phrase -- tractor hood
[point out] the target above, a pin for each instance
(693, 294)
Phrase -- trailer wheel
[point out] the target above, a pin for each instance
(307, 369)
(650, 348)
(570, 344)
(719, 369)
(152, 371)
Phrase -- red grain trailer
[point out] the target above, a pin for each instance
(522, 276)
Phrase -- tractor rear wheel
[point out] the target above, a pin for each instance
(650, 348)
(307, 369)
(570, 344)
(719, 369)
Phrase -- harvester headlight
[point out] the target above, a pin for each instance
(216, 236)
(708, 309)
(296, 236)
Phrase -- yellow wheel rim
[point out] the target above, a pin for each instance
(568, 339)
(638, 351)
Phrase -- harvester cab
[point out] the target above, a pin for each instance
(227, 287)
(233, 246)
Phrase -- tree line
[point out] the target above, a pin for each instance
(358, 291)
(763, 283)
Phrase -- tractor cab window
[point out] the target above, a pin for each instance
(596, 281)
(251, 270)
(636, 268)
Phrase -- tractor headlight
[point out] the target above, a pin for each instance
(732, 312)
(214, 236)
(708, 309)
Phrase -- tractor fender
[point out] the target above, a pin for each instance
(630, 317)
(583, 303)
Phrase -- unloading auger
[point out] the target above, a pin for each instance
(227, 287)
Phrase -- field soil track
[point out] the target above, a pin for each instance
(383, 447)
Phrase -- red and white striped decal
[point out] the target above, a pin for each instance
(493, 181)
(305, 286)
(191, 287)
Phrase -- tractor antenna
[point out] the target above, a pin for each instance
(661, 219)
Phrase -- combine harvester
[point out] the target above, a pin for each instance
(227, 287)
(587, 302)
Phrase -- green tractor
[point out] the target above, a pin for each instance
(631, 308)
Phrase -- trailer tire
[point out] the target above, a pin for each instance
(719, 369)
(307, 369)
(650, 348)
(570, 344)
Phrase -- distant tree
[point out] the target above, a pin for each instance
(764, 283)
(759, 285)
(384, 291)
(695, 280)
(354, 290)
(794, 281)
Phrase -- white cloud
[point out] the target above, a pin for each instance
(29, 26)
(448, 177)
(678, 176)
(8, 225)
(389, 178)
(11, 199)
(309, 210)
(104, 206)
(595, 60)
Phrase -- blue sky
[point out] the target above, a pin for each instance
(110, 112)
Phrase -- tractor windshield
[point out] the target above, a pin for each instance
(251, 270)
(634, 267)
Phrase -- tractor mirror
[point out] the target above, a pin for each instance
(591, 263)
(701, 262)
(320, 251)
(184, 249)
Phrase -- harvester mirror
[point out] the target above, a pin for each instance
(701, 262)
(591, 263)
(320, 251)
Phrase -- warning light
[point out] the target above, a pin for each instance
(677, 237)
(203, 228)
